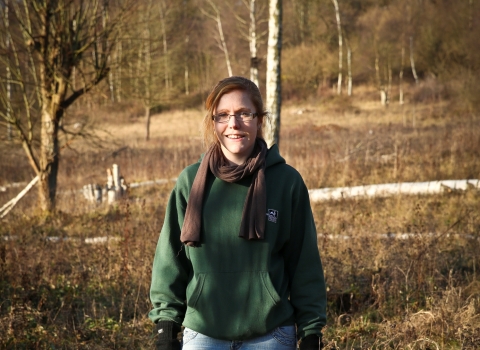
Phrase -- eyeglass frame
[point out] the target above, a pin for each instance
(236, 116)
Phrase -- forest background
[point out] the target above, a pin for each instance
(412, 114)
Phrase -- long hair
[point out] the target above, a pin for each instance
(224, 87)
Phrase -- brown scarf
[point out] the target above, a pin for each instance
(255, 207)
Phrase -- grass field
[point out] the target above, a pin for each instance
(419, 292)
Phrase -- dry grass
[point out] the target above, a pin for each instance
(422, 292)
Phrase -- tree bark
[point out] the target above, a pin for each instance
(274, 89)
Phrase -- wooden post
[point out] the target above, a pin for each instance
(110, 187)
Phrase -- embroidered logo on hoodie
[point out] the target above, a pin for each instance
(272, 215)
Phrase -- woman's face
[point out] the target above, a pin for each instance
(237, 138)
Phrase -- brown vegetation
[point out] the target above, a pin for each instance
(419, 292)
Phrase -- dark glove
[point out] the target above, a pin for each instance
(166, 333)
(311, 342)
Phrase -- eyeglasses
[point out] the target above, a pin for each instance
(240, 116)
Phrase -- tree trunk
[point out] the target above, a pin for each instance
(274, 98)
(400, 76)
(224, 45)
(221, 40)
(380, 84)
(57, 37)
(147, 125)
(349, 68)
(165, 47)
(8, 75)
(49, 154)
(340, 47)
(118, 71)
(389, 81)
(186, 75)
(412, 61)
(253, 44)
(148, 100)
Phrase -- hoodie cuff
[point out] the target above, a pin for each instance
(311, 342)
(166, 333)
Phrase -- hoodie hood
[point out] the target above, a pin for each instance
(274, 157)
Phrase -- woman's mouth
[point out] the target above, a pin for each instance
(236, 136)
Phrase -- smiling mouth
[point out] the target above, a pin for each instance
(236, 136)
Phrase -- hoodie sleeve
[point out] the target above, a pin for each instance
(171, 268)
(307, 289)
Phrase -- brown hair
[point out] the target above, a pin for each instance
(226, 86)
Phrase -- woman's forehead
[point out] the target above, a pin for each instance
(236, 98)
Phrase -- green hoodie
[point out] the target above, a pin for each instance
(231, 288)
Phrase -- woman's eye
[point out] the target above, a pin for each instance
(244, 114)
(222, 115)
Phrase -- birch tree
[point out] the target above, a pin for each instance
(273, 85)
(252, 35)
(349, 68)
(340, 46)
(53, 38)
(253, 42)
(221, 39)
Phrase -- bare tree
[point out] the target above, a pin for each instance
(221, 39)
(273, 86)
(53, 38)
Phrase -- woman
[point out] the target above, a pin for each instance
(237, 261)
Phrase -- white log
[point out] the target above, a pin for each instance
(386, 190)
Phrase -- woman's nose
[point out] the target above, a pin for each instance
(233, 122)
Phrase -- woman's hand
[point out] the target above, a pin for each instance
(166, 333)
(311, 342)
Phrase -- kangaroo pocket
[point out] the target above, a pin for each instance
(237, 305)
